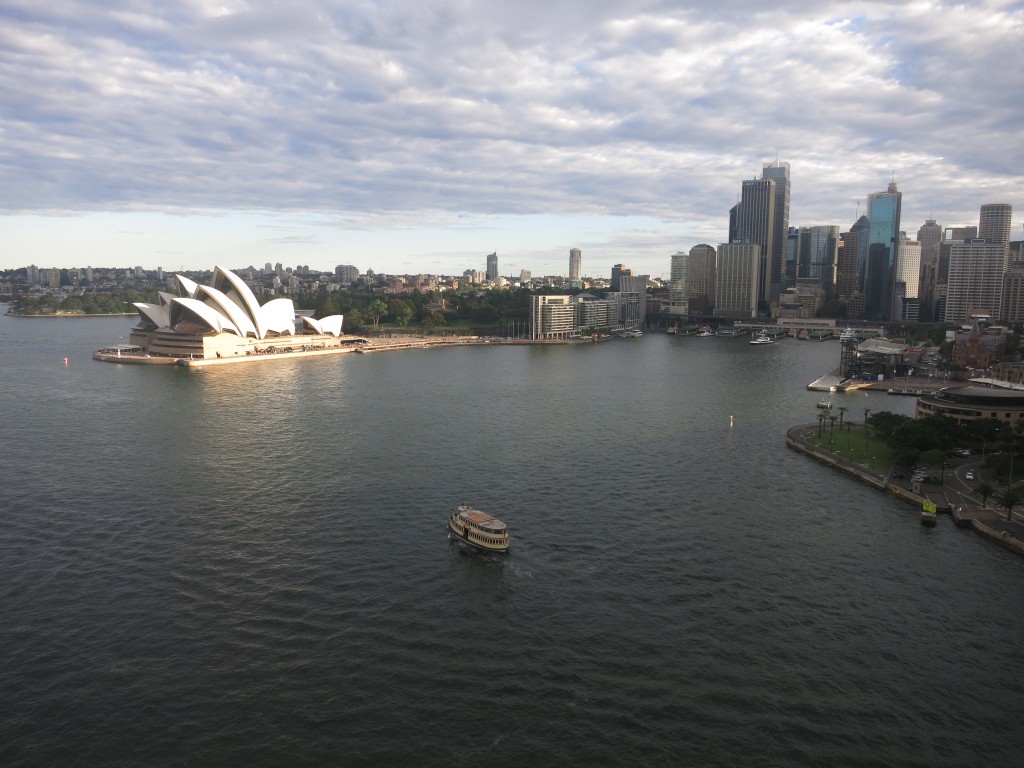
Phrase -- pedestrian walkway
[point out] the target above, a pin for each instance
(964, 508)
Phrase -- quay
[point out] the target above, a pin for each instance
(345, 345)
(964, 510)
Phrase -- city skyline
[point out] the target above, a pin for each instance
(422, 140)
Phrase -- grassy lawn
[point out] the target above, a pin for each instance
(849, 443)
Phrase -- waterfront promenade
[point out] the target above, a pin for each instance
(966, 510)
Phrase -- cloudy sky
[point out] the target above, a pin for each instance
(415, 136)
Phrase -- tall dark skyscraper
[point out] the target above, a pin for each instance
(777, 248)
(618, 271)
(755, 223)
(492, 266)
(883, 244)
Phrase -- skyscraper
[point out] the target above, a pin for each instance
(700, 279)
(846, 267)
(736, 278)
(818, 254)
(492, 266)
(883, 242)
(908, 279)
(678, 296)
(618, 271)
(994, 223)
(575, 262)
(777, 253)
(755, 223)
(975, 284)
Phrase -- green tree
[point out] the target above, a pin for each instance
(1010, 498)
(375, 310)
(884, 423)
(400, 310)
(354, 319)
(985, 490)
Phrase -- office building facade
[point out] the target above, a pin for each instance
(883, 243)
(737, 277)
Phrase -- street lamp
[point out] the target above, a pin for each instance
(866, 412)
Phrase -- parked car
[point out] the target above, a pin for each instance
(969, 476)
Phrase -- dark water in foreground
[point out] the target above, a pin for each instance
(249, 566)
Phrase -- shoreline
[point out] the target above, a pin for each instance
(965, 514)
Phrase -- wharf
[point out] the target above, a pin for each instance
(827, 383)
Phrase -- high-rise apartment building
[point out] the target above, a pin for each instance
(678, 293)
(575, 264)
(492, 266)
(975, 284)
(755, 223)
(346, 273)
(883, 243)
(552, 317)
(779, 172)
(1013, 293)
(636, 285)
(994, 222)
(700, 278)
(737, 277)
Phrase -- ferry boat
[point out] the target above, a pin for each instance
(762, 338)
(848, 334)
(706, 331)
(478, 529)
(825, 404)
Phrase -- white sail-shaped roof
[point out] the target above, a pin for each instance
(154, 313)
(193, 310)
(279, 316)
(237, 291)
(188, 287)
(313, 324)
(332, 324)
(239, 318)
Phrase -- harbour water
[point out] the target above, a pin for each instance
(249, 566)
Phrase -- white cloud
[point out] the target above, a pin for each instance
(413, 112)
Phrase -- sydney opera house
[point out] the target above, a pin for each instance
(221, 321)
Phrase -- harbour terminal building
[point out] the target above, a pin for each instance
(972, 401)
(223, 320)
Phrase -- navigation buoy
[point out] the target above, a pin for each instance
(65, 361)
(730, 422)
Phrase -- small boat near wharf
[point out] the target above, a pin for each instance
(478, 529)
(825, 404)
(706, 331)
(762, 338)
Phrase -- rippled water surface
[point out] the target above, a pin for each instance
(249, 566)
